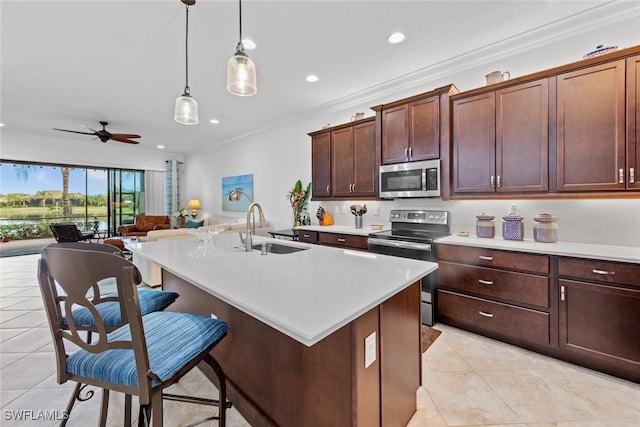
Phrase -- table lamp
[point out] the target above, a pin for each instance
(194, 205)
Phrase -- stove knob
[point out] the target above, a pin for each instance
(430, 216)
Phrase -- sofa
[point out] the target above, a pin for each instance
(144, 224)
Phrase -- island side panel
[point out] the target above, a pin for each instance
(400, 324)
(277, 380)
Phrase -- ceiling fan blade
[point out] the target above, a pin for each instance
(75, 131)
(88, 128)
(123, 138)
(125, 135)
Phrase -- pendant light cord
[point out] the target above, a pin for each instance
(186, 55)
(240, 46)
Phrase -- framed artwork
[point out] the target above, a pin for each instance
(237, 192)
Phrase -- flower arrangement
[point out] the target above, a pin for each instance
(298, 197)
(181, 214)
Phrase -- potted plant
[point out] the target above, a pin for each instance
(298, 197)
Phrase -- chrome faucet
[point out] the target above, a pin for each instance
(252, 230)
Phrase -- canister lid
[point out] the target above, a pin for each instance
(544, 217)
(512, 218)
(485, 216)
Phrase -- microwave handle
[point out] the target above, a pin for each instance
(424, 179)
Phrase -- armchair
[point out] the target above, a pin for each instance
(145, 223)
(69, 232)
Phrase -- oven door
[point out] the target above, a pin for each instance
(419, 251)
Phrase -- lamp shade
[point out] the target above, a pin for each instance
(194, 204)
(241, 75)
(186, 110)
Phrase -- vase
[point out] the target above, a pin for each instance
(182, 222)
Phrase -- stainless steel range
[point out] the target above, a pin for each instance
(411, 236)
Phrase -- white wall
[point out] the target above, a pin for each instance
(279, 156)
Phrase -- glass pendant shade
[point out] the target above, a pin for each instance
(186, 110)
(241, 75)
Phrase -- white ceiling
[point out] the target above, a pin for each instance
(70, 63)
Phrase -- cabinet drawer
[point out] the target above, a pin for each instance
(308, 236)
(516, 287)
(344, 240)
(505, 319)
(493, 258)
(603, 271)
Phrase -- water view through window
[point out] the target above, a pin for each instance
(32, 196)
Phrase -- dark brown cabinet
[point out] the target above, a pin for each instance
(501, 140)
(353, 159)
(498, 293)
(591, 128)
(411, 132)
(321, 165)
(339, 240)
(633, 123)
(600, 311)
(417, 128)
(345, 160)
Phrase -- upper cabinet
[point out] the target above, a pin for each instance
(591, 128)
(500, 140)
(633, 123)
(412, 128)
(571, 129)
(321, 165)
(345, 161)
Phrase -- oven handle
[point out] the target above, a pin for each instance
(424, 247)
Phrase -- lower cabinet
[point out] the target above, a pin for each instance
(339, 240)
(600, 319)
(585, 311)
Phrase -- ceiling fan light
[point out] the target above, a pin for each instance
(241, 75)
(186, 111)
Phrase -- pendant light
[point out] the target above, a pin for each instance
(186, 111)
(241, 71)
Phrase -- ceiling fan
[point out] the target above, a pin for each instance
(105, 135)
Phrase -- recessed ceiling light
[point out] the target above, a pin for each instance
(1, 125)
(396, 38)
(312, 78)
(161, 147)
(214, 121)
(249, 44)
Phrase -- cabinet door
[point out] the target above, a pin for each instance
(601, 322)
(321, 165)
(633, 123)
(342, 161)
(522, 138)
(474, 141)
(365, 169)
(591, 128)
(424, 129)
(395, 135)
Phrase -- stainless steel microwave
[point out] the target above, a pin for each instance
(413, 179)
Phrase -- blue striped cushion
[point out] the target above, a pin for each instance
(150, 301)
(173, 339)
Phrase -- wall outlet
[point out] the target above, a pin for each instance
(369, 350)
(336, 209)
(376, 210)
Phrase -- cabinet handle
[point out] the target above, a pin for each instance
(353, 188)
(498, 181)
(632, 175)
(621, 176)
(342, 240)
(327, 188)
(485, 314)
(492, 182)
(604, 272)
(306, 235)
(486, 258)
(485, 282)
(406, 152)
(410, 151)
(562, 294)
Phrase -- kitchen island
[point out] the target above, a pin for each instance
(321, 336)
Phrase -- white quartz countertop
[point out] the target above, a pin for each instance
(306, 295)
(345, 229)
(571, 249)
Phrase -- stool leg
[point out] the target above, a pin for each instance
(127, 410)
(104, 407)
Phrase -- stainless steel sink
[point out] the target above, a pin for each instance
(277, 248)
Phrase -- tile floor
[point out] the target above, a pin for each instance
(468, 380)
